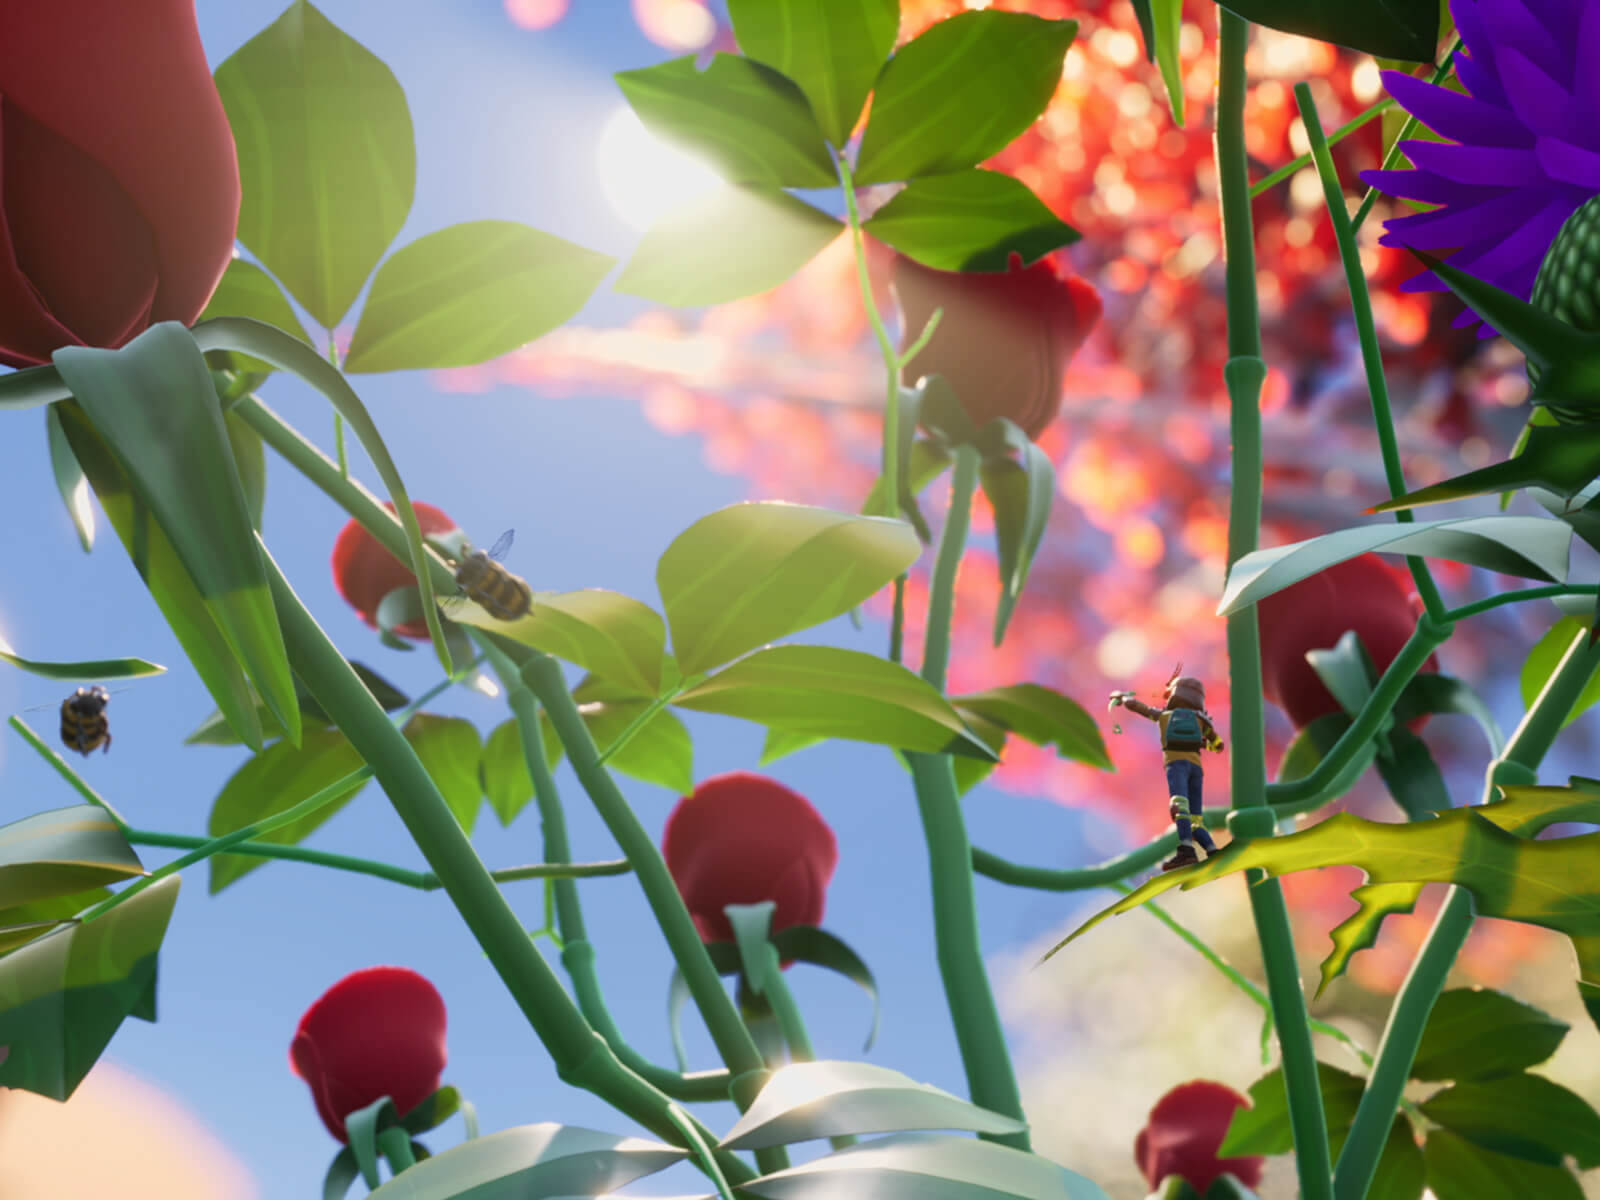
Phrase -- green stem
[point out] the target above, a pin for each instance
(639, 722)
(1344, 131)
(891, 404)
(1245, 373)
(792, 1024)
(580, 1056)
(897, 621)
(543, 676)
(395, 1143)
(990, 1079)
(1394, 152)
(64, 769)
(577, 952)
(1409, 1017)
(1517, 595)
(1367, 333)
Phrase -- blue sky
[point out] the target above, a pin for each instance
(506, 124)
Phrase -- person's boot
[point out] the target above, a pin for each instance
(1185, 857)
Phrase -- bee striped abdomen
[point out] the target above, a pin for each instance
(83, 720)
(497, 591)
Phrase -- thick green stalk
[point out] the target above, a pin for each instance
(1407, 1020)
(990, 1079)
(543, 676)
(577, 952)
(1245, 372)
(1518, 595)
(581, 1057)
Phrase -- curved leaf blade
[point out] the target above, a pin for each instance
(1525, 1116)
(731, 243)
(971, 220)
(61, 853)
(327, 164)
(751, 573)
(832, 49)
(70, 479)
(960, 93)
(1404, 29)
(1462, 1170)
(1044, 717)
(468, 293)
(1543, 660)
(1533, 547)
(96, 668)
(504, 769)
(1021, 495)
(247, 291)
(451, 752)
(606, 633)
(808, 944)
(1476, 1034)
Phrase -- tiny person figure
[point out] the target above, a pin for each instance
(1186, 729)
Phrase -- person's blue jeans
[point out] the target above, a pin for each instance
(1185, 779)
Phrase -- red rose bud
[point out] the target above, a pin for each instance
(119, 188)
(1362, 594)
(375, 1033)
(1185, 1130)
(1005, 338)
(744, 838)
(364, 572)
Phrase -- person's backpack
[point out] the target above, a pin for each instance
(1184, 731)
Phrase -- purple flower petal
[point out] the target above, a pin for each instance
(1506, 262)
(1421, 185)
(1476, 67)
(1473, 164)
(1537, 100)
(1586, 83)
(1457, 226)
(1563, 161)
(1452, 115)
(1480, 81)
(1518, 29)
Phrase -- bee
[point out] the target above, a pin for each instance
(83, 720)
(496, 590)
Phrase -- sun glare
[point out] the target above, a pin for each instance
(643, 177)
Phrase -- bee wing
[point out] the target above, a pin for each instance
(501, 545)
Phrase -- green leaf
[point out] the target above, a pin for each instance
(98, 668)
(21, 923)
(658, 752)
(969, 220)
(1311, 745)
(342, 1174)
(1525, 1116)
(327, 165)
(1402, 29)
(808, 944)
(70, 479)
(432, 1112)
(728, 244)
(250, 459)
(61, 853)
(1546, 883)
(606, 633)
(925, 462)
(1165, 24)
(171, 586)
(241, 333)
(832, 49)
(1474, 1034)
(1563, 459)
(248, 291)
(469, 293)
(1042, 716)
(532, 1162)
(781, 743)
(1543, 660)
(63, 996)
(215, 731)
(749, 122)
(1021, 495)
(828, 692)
(751, 573)
(1411, 775)
(1462, 1170)
(1401, 1173)
(1431, 693)
(450, 751)
(506, 781)
(960, 93)
(1534, 547)
(970, 772)
(1347, 671)
(278, 778)
(154, 403)
(809, 1100)
(925, 1166)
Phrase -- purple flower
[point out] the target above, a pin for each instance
(1526, 149)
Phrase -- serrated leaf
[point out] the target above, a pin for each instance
(64, 995)
(826, 1099)
(1475, 1033)
(532, 1162)
(1403, 29)
(832, 49)
(278, 778)
(731, 243)
(1021, 495)
(450, 751)
(1525, 1116)
(608, 634)
(1042, 716)
(960, 92)
(1463, 1170)
(61, 853)
(154, 402)
(1543, 660)
(1528, 546)
(923, 1166)
(70, 480)
(327, 165)
(971, 220)
(824, 691)
(468, 293)
(751, 573)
